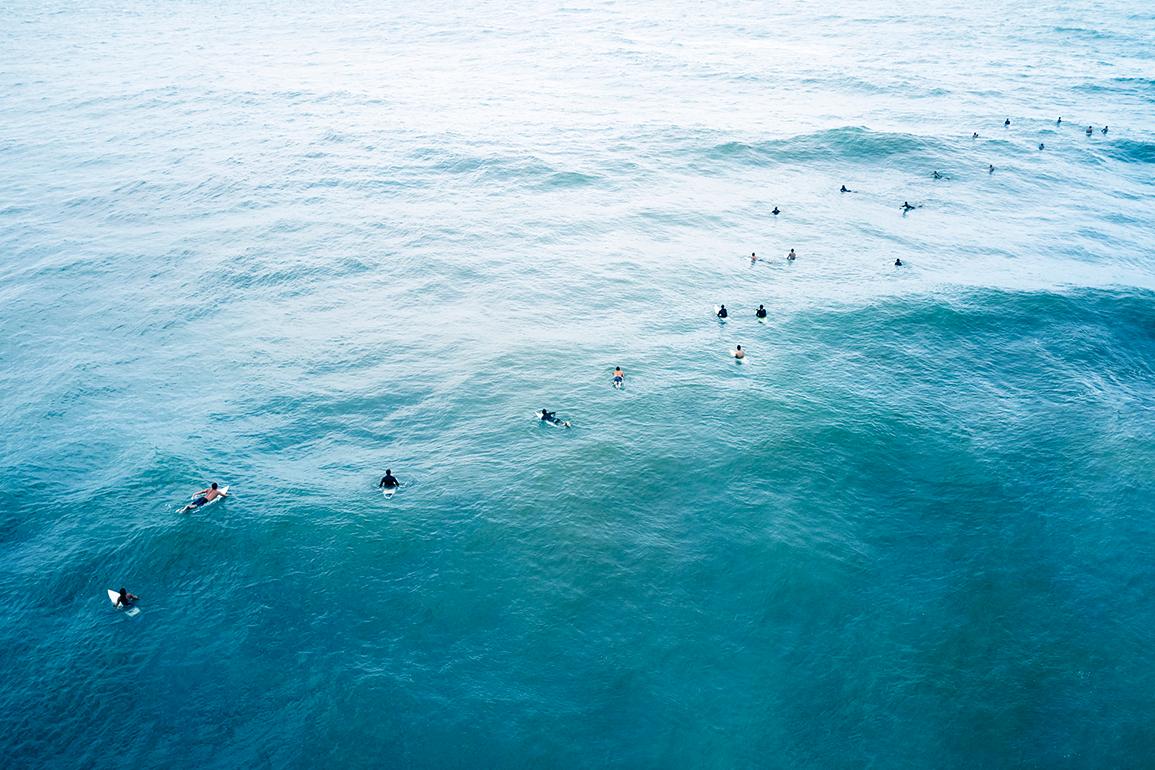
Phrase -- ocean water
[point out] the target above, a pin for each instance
(285, 246)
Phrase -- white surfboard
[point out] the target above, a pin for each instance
(114, 596)
(388, 492)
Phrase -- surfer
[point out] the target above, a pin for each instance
(991, 168)
(619, 377)
(1089, 131)
(791, 256)
(844, 189)
(897, 262)
(1006, 123)
(760, 312)
(975, 135)
(204, 497)
(775, 212)
(1041, 145)
(551, 417)
(1059, 122)
(937, 175)
(722, 313)
(1104, 130)
(739, 353)
(753, 257)
(389, 481)
(906, 207)
(125, 599)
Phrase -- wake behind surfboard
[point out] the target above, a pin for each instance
(114, 596)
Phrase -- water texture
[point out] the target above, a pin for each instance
(286, 246)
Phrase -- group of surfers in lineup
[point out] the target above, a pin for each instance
(390, 482)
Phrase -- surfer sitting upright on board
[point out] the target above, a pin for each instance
(125, 599)
(389, 481)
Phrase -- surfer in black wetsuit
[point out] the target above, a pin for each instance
(937, 175)
(389, 481)
(552, 419)
(775, 212)
(791, 256)
(1059, 122)
(126, 599)
(1090, 130)
(1042, 146)
(897, 262)
(760, 312)
(1006, 123)
(906, 207)
(975, 135)
(1104, 130)
(991, 168)
(844, 189)
(722, 313)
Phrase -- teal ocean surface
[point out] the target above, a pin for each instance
(287, 246)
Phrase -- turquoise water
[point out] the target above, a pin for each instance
(285, 248)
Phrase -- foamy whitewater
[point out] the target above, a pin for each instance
(285, 246)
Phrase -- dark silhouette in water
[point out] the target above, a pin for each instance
(906, 207)
(1104, 129)
(1089, 131)
(1041, 145)
(975, 135)
(898, 263)
(844, 189)
(1006, 122)
(991, 168)
(1059, 122)
(775, 212)
(937, 175)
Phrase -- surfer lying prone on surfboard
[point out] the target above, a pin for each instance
(204, 497)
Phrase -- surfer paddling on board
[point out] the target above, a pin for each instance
(551, 417)
(204, 497)
(125, 599)
(389, 481)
